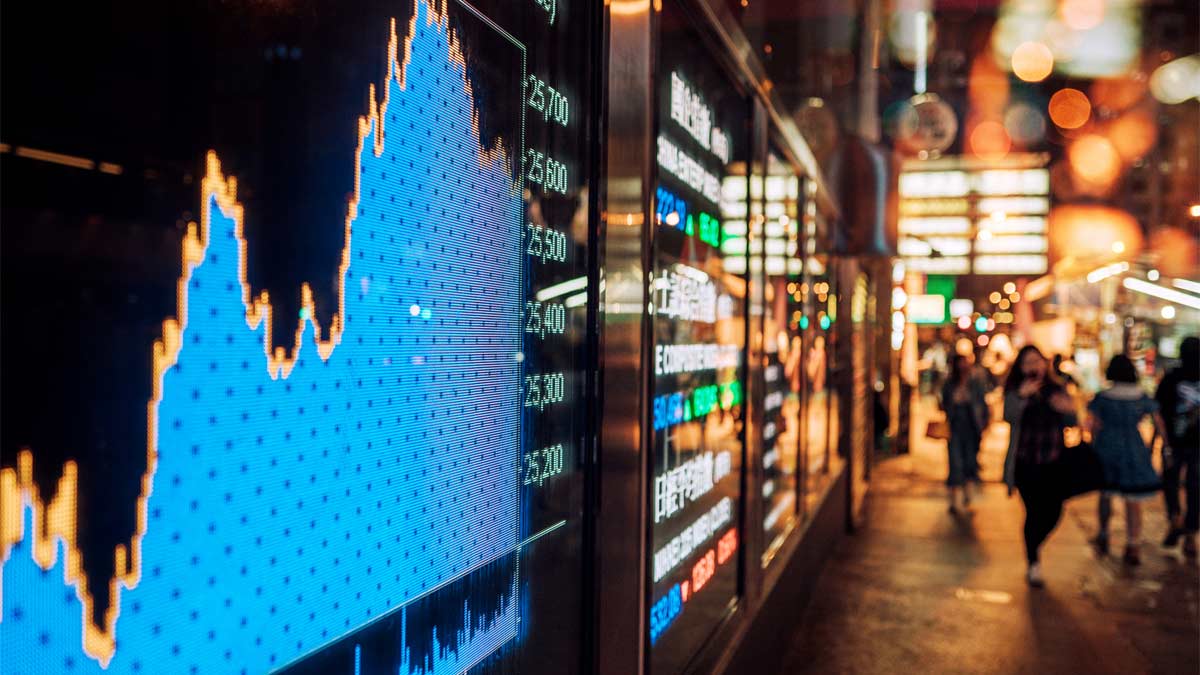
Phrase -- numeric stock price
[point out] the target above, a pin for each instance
(542, 169)
(544, 390)
(543, 464)
(545, 244)
(545, 318)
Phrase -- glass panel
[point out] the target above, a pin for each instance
(816, 321)
(698, 297)
(782, 353)
(306, 388)
(830, 307)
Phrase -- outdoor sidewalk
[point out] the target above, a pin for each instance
(920, 591)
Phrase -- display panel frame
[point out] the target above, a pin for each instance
(572, 639)
(703, 119)
(624, 480)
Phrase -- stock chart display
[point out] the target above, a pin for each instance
(698, 294)
(294, 337)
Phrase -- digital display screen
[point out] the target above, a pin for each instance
(294, 338)
(698, 295)
(782, 350)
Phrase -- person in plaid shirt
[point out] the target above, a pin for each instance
(1037, 408)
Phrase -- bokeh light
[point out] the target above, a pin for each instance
(1177, 81)
(1106, 49)
(989, 139)
(1070, 108)
(1082, 14)
(905, 30)
(1094, 160)
(1089, 231)
(1032, 61)
(1024, 124)
(1176, 251)
(1119, 93)
(987, 86)
(1133, 134)
(963, 347)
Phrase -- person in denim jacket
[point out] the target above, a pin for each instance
(1114, 415)
(966, 413)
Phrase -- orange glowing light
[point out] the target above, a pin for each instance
(1087, 231)
(987, 86)
(703, 570)
(1133, 134)
(1070, 108)
(1094, 160)
(990, 139)
(1032, 61)
(1120, 93)
(58, 520)
(1082, 14)
(1176, 250)
(726, 546)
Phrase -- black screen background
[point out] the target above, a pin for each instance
(90, 260)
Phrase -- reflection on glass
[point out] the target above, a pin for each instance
(698, 295)
(819, 295)
(782, 353)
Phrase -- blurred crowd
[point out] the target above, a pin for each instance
(1136, 437)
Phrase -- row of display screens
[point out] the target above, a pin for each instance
(741, 345)
(297, 340)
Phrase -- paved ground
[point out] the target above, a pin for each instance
(920, 591)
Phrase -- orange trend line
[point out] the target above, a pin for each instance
(60, 518)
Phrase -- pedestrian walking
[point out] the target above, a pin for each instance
(966, 413)
(1114, 415)
(935, 364)
(1038, 409)
(1179, 397)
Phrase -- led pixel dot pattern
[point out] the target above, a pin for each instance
(292, 498)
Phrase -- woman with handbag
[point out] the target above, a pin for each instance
(1038, 409)
(966, 413)
(1114, 415)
